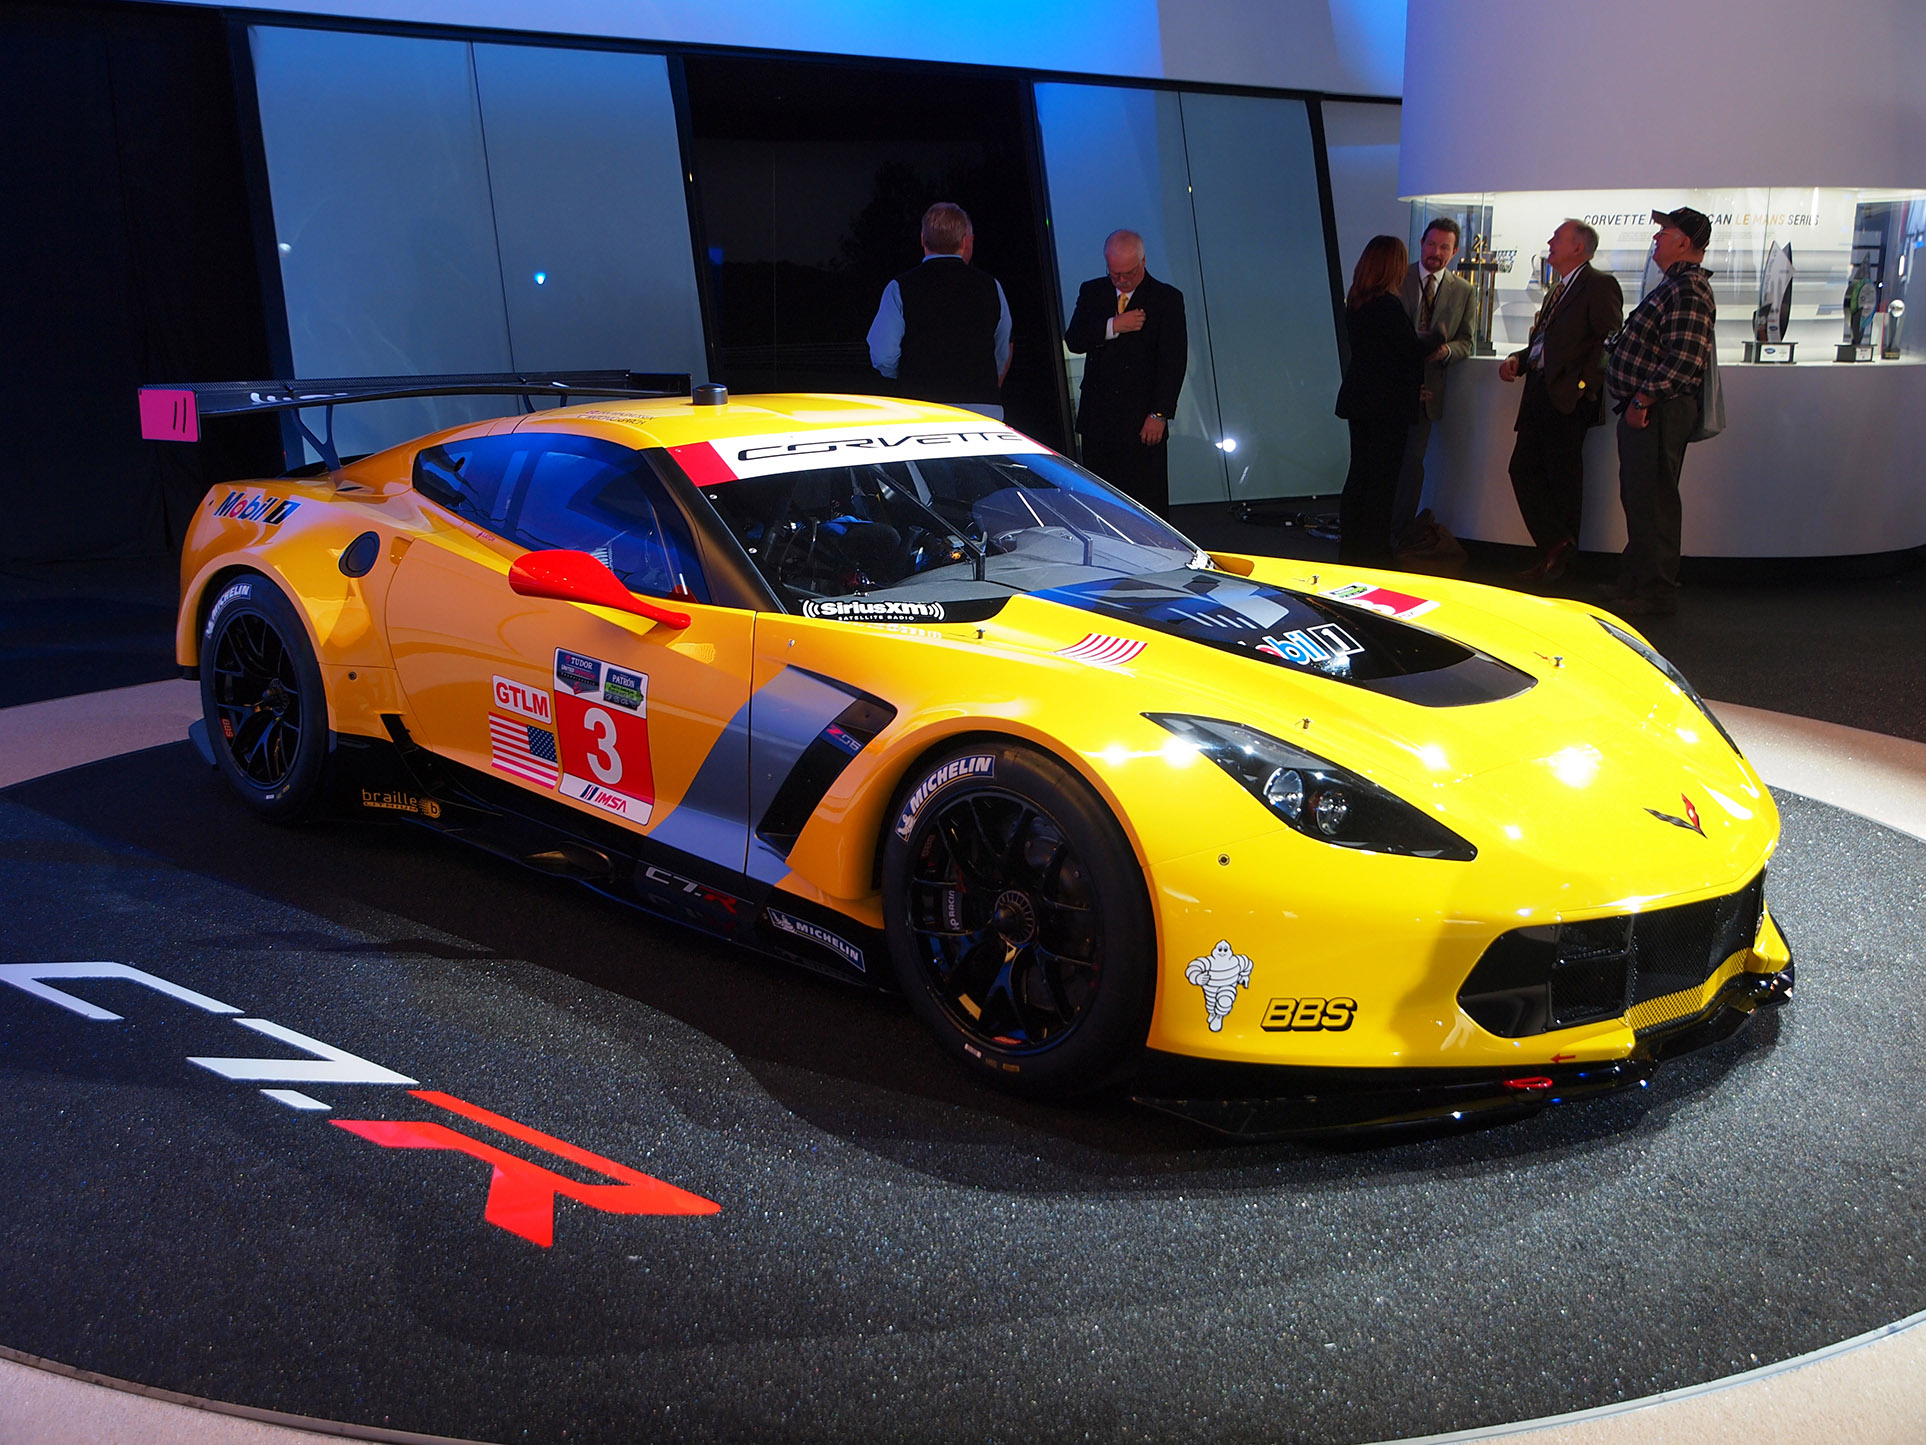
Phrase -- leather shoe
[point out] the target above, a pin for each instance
(1551, 566)
(1647, 604)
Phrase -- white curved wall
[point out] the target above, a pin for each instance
(1520, 95)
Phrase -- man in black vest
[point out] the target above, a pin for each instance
(942, 332)
(1131, 326)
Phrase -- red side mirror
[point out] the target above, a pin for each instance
(577, 577)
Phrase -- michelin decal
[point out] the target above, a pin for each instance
(1220, 974)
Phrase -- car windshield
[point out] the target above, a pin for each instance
(931, 537)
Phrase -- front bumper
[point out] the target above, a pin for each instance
(1255, 1103)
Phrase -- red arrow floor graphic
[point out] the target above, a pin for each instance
(521, 1195)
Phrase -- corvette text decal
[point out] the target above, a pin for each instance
(1220, 974)
(521, 1194)
(729, 458)
(602, 725)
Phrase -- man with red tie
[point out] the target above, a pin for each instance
(1563, 365)
(1131, 326)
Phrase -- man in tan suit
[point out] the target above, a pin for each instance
(1436, 299)
(1564, 369)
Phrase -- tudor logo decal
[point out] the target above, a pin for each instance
(1690, 822)
(521, 1194)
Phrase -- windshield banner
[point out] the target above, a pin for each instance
(730, 458)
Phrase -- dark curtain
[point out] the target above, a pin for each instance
(128, 257)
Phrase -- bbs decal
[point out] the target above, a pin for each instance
(239, 592)
(976, 765)
(1310, 1015)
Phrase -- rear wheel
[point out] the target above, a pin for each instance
(1017, 920)
(261, 697)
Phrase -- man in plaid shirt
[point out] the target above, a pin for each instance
(1657, 367)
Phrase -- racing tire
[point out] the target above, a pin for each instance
(262, 699)
(1018, 924)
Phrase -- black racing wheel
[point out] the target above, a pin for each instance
(261, 697)
(1017, 919)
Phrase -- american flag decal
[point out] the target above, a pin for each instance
(523, 751)
(1102, 651)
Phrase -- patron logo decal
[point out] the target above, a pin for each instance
(521, 1194)
(1690, 822)
(1309, 1015)
(977, 765)
(255, 507)
(1220, 974)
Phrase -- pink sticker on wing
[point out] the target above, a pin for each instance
(168, 416)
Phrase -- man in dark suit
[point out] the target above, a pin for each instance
(1564, 370)
(1131, 326)
(1436, 299)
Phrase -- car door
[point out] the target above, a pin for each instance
(604, 711)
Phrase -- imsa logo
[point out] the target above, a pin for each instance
(1309, 1015)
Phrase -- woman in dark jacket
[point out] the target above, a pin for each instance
(1379, 398)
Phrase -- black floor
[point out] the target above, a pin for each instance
(897, 1253)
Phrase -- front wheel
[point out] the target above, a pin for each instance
(1017, 919)
(261, 696)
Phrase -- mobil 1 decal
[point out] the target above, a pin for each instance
(602, 731)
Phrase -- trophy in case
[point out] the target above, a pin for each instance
(1862, 298)
(1775, 309)
(1889, 348)
(1480, 267)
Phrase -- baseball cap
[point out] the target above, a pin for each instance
(1696, 225)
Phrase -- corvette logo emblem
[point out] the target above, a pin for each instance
(1690, 822)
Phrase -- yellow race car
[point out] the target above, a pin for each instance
(898, 693)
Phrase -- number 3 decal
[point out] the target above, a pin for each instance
(603, 760)
(602, 733)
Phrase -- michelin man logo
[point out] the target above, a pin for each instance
(1220, 973)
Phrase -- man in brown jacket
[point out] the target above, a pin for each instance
(1564, 369)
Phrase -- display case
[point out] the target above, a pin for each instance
(1802, 276)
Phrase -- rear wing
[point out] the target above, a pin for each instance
(173, 412)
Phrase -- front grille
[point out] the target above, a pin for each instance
(1555, 976)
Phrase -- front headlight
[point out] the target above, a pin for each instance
(1672, 674)
(1314, 795)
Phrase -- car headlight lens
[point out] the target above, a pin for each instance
(1315, 796)
(1672, 674)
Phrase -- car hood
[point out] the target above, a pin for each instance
(1352, 636)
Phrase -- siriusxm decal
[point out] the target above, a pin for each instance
(856, 609)
(255, 507)
(802, 928)
(976, 765)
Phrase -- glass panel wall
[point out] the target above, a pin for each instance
(1224, 190)
(447, 207)
(1819, 268)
